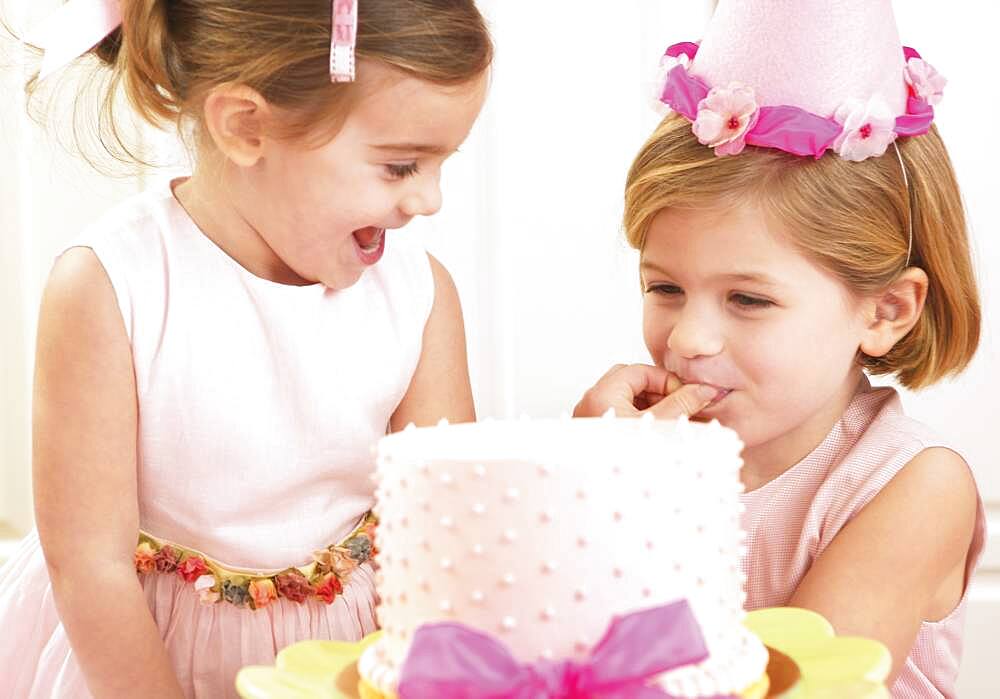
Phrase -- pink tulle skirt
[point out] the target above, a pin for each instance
(207, 644)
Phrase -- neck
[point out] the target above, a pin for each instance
(763, 463)
(212, 200)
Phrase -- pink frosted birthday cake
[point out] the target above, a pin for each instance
(536, 535)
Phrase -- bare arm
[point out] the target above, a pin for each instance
(84, 446)
(902, 559)
(440, 386)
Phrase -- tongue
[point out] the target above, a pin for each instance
(366, 236)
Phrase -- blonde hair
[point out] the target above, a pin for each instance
(851, 219)
(168, 54)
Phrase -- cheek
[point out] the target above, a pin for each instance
(655, 332)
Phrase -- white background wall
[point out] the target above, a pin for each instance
(530, 227)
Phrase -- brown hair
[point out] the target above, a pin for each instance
(168, 54)
(850, 218)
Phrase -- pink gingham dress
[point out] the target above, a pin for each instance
(791, 520)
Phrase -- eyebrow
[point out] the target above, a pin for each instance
(412, 148)
(753, 277)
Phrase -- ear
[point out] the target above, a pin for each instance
(893, 312)
(235, 116)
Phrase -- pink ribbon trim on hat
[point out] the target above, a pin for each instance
(784, 127)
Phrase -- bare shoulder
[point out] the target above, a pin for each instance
(444, 285)
(78, 278)
(941, 480)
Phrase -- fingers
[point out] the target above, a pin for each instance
(620, 388)
(673, 383)
(640, 378)
(686, 401)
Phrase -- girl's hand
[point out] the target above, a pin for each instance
(637, 389)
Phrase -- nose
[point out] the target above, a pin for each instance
(695, 335)
(423, 198)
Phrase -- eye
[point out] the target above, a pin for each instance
(399, 172)
(664, 289)
(750, 302)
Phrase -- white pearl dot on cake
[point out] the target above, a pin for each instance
(548, 614)
(649, 545)
(549, 567)
(508, 580)
(425, 544)
(405, 522)
(581, 646)
(477, 596)
(646, 592)
(617, 572)
(478, 509)
(580, 595)
(446, 606)
(544, 470)
(402, 483)
(443, 422)
(479, 471)
(511, 494)
(447, 522)
(425, 469)
(617, 470)
(477, 549)
(581, 542)
(446, 478)
(545, 516)
(405, 562)
(446, 564)
(547, 654)
(424, 584)
(424, 505)
(580, 495)
(508, 623)
(617, 516)
(510, 536)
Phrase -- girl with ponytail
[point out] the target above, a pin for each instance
(217, 356)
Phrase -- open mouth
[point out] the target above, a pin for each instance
(371, 244)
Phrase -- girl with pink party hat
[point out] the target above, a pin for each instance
(800, 227)
(217, 356)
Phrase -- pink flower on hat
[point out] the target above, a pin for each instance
(926, 82)
(868, 129)
(724, 118)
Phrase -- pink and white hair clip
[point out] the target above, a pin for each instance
(343, 39)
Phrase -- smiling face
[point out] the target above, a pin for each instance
(729, 302)
(323, 212)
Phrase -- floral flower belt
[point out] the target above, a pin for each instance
(324, 578)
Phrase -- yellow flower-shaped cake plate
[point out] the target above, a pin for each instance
(808, 661)
(831, 666)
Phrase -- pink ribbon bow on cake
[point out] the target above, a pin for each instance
(452, 661)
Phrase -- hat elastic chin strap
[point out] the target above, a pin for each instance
(909, 205)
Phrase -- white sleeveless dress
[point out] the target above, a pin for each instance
(259, 404)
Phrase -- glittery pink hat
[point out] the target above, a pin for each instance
(802, 76)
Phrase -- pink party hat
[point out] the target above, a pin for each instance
(803, 76)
